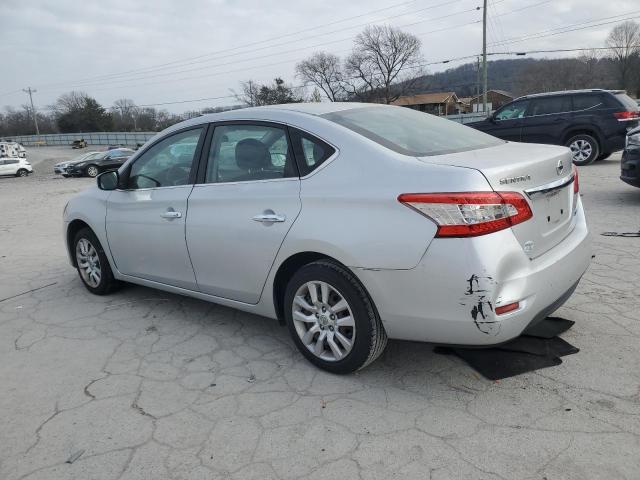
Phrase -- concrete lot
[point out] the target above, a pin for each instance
(149, 385)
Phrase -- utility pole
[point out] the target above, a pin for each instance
(484, 57)
(31, 91)
(477, 87)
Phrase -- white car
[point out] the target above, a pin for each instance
(350, 223)
(16, 166)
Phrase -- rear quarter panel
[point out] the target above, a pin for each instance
(350, 209)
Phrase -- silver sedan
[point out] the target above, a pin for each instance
(349, 223)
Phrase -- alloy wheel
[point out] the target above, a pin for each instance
(581, 150)
(323, 320)
(23, 173)
(88, 263)
(92, 171)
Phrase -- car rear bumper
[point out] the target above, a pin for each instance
(450, 297)
(630, 167)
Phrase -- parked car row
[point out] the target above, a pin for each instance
(91, 164)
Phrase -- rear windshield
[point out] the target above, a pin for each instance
(410, 132)
(628, 102)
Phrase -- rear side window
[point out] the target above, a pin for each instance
(549, 105)
(628, 102)
(310, 151)
(589, 101)
(410, 132)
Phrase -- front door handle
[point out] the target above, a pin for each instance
(269, 216)
(170, 214)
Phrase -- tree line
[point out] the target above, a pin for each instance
(384, 64)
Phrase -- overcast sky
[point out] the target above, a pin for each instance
(120, 48)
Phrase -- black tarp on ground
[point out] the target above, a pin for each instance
(537, 348)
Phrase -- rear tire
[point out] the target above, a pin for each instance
(92, 171)
(92, 263)
(340, 331)
(22, 173)
(584, 148)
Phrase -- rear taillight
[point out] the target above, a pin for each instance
(626, 115)
(576, 182)
(469, 214)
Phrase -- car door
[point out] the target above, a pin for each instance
(546, 119)
(247, 199)
(4, 169)
(10, 166)
(146, 218)
(507, 121)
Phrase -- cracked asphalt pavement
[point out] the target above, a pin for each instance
(143, 384)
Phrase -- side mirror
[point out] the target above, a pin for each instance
(492, 118)
(108, 180)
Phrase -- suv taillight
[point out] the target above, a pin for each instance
(576, 182)
(469, 214)
(626, 115)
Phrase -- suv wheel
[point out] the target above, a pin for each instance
(92, 264)
(22, 173)
(331, 318)
(585, 149)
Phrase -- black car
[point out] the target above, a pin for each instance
(630, 165)
(110, 160)
(593, 123)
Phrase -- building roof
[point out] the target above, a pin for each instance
(426, 98)
(499, 92)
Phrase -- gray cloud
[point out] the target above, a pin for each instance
(57, 46)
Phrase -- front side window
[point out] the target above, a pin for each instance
(410, 132)
(164, 165)
(512, 111)
(245, 152)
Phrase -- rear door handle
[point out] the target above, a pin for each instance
(269, 217)
(170, 214)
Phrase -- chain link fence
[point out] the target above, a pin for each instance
(126, 139)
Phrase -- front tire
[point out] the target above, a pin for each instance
(22, 173)
(92, 171)
(331, 318)
(92, 263)
(584, 148)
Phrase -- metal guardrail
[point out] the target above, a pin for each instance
(129, 139)
(467, 117)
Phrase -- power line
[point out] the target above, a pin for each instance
(570, 28)
(164, 74)
(445, 61)
(216, 54)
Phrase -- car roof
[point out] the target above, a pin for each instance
(570, 92)
(270, 113)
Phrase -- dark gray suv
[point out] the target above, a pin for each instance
(593, 123)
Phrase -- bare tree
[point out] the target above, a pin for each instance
(382, 65)
(69, 102)
(125, 112)
(323, 70)
(254, 94)
(624, 42)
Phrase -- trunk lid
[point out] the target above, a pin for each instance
(541, 173)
